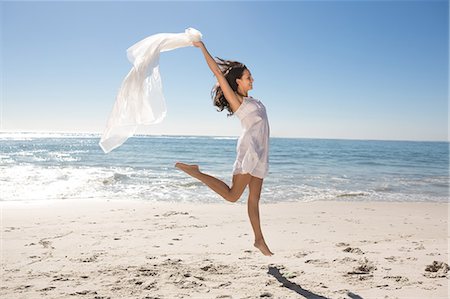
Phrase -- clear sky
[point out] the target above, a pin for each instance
(324, 69)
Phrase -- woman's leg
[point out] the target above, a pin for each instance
(255, 187)
(240, 181)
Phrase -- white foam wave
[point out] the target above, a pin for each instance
(25, 136)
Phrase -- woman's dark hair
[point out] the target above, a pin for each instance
(232, 70)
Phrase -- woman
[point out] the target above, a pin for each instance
(251, 166)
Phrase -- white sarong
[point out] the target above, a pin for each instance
(140, 100)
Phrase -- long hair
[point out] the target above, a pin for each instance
(232, 70)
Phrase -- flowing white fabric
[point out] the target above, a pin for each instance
(140, 100)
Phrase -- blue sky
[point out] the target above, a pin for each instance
(324, 69)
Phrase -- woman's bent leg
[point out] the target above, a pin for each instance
(240, 181)
(255, 187)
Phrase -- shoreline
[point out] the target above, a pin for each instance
(220, 201)
(132, 248)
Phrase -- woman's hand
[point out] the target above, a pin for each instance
(198, 44)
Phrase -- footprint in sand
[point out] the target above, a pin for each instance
(60, 278)
(345, 260)
(365, 267)
(244, 258)
(47, 289)
(147, 272)
(23, 287)
(90, 258)
(391, 258)
(173, 213)
(85, 292)
(171, 262)
(312, 241)
(433, 253)
(353, 250)
(151, 286)
(10, 229)
(397, 278)
(46, 244)
(436, 270)
(301, 254)
(215, 269)
(317, 262)
(222, 285)
(420, 247)
(48, 254)
(198, 226)
(266, 295)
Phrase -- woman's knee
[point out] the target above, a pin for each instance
(232, 197)
(253, 199)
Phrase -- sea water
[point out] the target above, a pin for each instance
(72, 166)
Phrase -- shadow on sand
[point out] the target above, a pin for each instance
(275, 272)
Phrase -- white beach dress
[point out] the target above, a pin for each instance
(253, 144)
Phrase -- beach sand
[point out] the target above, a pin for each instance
(135, 249)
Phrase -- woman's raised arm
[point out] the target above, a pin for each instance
(228, 92)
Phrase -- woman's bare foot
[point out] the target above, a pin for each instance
(189, 169)
(262, 246)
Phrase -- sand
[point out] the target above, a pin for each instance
(133, 249)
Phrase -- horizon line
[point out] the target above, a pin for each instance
(193, 135)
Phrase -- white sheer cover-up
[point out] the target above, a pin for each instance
(140, 100)
(253, 144)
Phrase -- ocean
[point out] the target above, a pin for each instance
(72, 166)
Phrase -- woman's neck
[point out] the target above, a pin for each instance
(241, 96)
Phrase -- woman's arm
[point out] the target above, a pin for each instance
(229, 94)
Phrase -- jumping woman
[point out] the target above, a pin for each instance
(251, 165)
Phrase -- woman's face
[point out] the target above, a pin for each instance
(246, 82)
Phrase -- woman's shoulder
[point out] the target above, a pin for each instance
(250, 98)
(253, 100)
